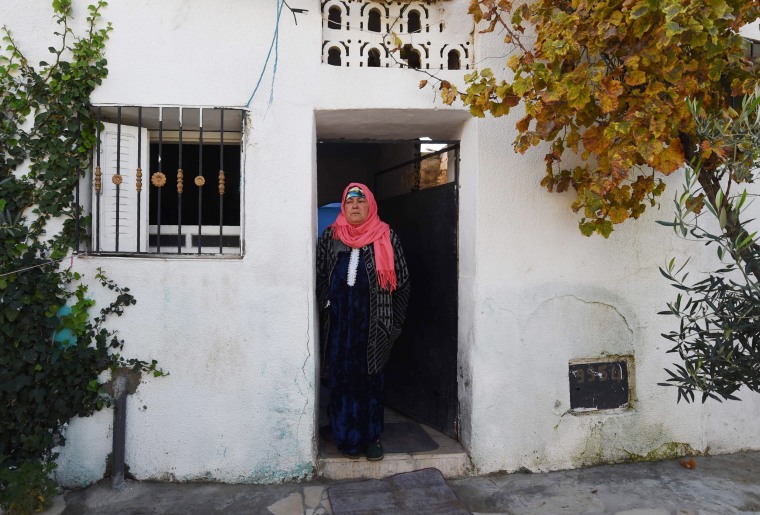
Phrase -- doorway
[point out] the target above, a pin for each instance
(415, 184)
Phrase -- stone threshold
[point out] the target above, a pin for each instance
(450, 458)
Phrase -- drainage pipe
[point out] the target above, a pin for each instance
(119, 433)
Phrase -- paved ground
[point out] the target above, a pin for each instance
(721, 485)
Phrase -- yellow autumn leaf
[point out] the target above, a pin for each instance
(654, 88)
(477, 111)
(648, 148)
(523, 124)
(608, 95)
(475, 11)
(608, 103)
(573, 138)
(554, 92)
(513, 62)
(632, 61)
(670, 158)
(695, 204)
(618, 214)
(593, 140)
(500, 109)
(635, 77)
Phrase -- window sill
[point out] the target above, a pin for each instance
(153, 255)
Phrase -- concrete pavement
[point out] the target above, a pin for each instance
(728, 484)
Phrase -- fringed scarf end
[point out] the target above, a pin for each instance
(387, 279)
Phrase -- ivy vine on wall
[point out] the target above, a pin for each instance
(52, 349)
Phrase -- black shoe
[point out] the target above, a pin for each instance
(352, 456)
(375, 451)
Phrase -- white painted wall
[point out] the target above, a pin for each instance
(238, 335)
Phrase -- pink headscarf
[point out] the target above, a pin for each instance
(374, 231)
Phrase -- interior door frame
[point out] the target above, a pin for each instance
(451, 145)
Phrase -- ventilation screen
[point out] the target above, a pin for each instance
(599, 385)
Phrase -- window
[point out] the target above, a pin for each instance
(167, 180)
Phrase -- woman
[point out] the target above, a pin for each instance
(363, 287)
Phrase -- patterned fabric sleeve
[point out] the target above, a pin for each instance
(323, 267)
(403, 286)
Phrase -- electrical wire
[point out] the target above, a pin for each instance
(272, 45)
(48, 262)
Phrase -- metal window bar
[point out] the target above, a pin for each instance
(417, 160)
(116, 179)
(180, 188)
(138, 172)
(417, 166)
(221, 181)
(98, 186)
(158, 175)
(76, 174)
(456, 165)
(199, 180)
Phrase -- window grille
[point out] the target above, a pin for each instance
(434, 163)
(166, 180)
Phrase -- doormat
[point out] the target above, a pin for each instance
(406, 437)
(397, 438)
(420, 492)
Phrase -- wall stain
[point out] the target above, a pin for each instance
(666, 451)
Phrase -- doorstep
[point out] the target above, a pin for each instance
(450, 458)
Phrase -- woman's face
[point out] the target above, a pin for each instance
(357, 210)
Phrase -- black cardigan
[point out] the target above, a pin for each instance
(387, 310)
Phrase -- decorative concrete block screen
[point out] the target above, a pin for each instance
(361, 33)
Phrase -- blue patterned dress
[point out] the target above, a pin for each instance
(356, 398)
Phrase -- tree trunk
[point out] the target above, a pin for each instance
(733, 229)
(708, 179)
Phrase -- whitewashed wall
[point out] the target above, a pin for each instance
(238, 336)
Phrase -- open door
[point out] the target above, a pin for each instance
(416, 191)
(421, 377)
